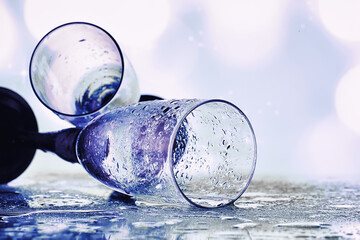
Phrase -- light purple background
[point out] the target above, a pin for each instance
(291, 66)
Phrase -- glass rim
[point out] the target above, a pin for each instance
(40, 42)
(171, 146)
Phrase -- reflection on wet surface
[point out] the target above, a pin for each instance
(80, 208)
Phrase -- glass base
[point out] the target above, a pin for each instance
(16, 117)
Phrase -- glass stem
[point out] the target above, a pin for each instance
(61, 143)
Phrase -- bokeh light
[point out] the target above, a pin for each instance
(245, 33)
(134, 23)
(341, 18)
(8, 35)
(347, 99)
(328, 149)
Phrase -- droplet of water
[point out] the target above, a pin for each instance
(343, 206)
(300, 225)
(228, 218)
(248, 205)
(245, 225)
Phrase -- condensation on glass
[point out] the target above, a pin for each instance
(174, 151)
(78, 71)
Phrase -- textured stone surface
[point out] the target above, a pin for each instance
(69, 206)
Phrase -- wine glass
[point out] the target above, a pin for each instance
(78, 71)
(201, 152)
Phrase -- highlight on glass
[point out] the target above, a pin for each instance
(78, 71)
(201, 152)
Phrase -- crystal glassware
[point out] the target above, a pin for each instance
(78, 71)
(198, 151)
(201, 152)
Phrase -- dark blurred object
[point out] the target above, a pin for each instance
(16, 117)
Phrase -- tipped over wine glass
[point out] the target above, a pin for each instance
(201, 152)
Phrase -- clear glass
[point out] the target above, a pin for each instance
(78, 71)
(172, 151)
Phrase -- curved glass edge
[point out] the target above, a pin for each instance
(34, 52)
(171, 144)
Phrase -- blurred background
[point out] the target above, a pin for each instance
(292, 66)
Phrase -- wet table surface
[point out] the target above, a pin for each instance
(77, 207)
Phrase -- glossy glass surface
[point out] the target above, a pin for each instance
(173, 151)
(78, 71)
